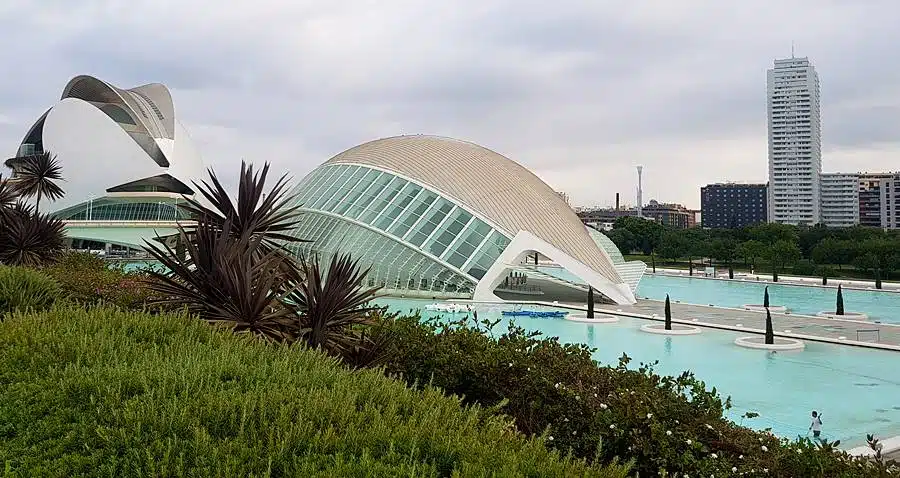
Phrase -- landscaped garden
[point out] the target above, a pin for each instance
(244, 360)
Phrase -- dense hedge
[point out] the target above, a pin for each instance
(105, 392)
(26, 289)
(666, 424)
(88, 279)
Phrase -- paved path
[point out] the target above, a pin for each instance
(830, 329)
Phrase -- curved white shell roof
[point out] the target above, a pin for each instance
(489, 184)
(105, 136)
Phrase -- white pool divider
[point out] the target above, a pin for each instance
(844, 316)
(759, 342)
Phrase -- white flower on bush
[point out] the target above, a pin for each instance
(550, 438)
(612, 427)
(649, 416)
(557, 385)
(603, 406)
(764, 448)
(709, 426)
(668, 432)
(734, 469)
(799, 451)
(689, 442)
(714, 456)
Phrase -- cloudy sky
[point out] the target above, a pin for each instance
(578, 91)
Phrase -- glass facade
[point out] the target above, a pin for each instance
(410, 236)
(106, 209)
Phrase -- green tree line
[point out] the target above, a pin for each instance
(777, 248)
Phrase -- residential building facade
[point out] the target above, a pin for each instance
(870, 197)
(795, 142)
(890, 202)
(840, 199)
(672, 215)
(733, 205)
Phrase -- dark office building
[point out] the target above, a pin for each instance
(870, 192)
(731, 206)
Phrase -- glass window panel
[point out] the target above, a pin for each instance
(344, 203)
(330, 188)
(413, 213)
(340, 192)
(396, 207)
(374, 208)
(426, 227)
(329, 175)
(368, 195)
(454, 225)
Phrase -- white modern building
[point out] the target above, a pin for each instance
(439, 217)
(890, 202)
(795, 143)
(840, 199)
(126, 162)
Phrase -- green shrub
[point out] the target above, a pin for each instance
(597, 412)
(87, 278)
(107, 392)
(26, 289)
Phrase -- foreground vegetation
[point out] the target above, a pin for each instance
(858, 252)
(114, 393)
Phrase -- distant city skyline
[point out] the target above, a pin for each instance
(578, 92)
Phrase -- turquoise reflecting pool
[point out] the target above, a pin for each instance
(807, 300)
(856, 389)
(882, 306)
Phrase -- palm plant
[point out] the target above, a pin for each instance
(29, 238)
(333, 305)
(222, 280)
(770, 332)
(668, 324)
(590, 305)
(256, 214)
(8, 199)
(839, 309)
(36, 176)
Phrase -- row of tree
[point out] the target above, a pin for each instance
(809, 250)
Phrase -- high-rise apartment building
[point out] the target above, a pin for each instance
(840, 199)
(795, 143)
(732, 205)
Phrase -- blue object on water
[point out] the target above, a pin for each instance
(556, 314)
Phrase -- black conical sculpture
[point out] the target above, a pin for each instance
(770, 333)
(668, 314)
(766, 298)
(839, 309)
(590, 311)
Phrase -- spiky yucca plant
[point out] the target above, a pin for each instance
(333, 304)
(28, 238)
(221, 279)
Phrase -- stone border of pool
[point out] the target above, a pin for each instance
(619, 312)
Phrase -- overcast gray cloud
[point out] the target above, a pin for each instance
(578, 91)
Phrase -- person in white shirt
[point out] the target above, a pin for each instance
(816, 425)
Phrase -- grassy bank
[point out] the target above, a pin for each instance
(111, 393)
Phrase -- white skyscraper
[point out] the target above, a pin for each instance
(795, 143)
